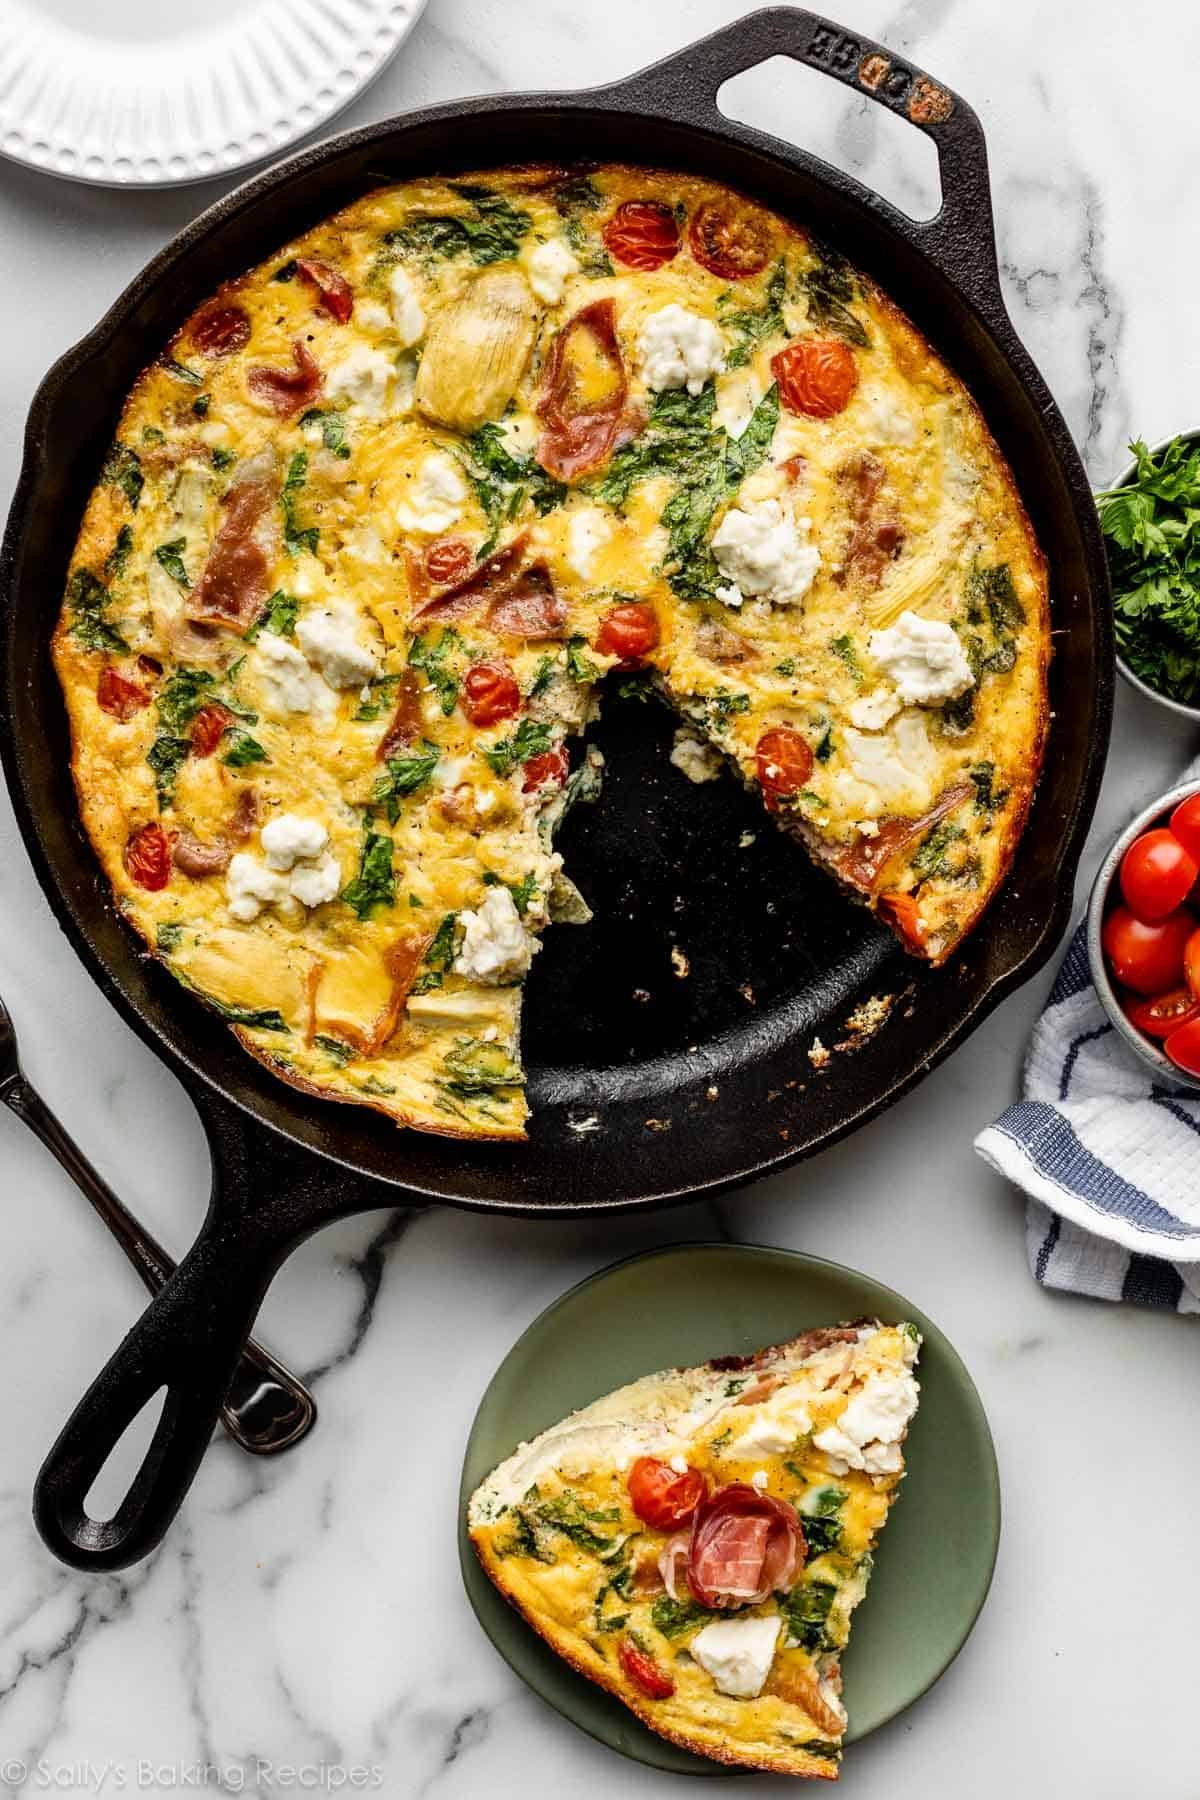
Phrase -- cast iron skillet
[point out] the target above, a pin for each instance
(646, 1087)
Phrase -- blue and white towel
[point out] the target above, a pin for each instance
(1108, 1155)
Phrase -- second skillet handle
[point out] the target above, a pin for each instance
(961, 238)
(187, 1341)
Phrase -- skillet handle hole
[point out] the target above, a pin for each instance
(119, 1472)
(852, 133)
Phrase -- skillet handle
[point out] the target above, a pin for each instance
(188, 1341)
(961, 238)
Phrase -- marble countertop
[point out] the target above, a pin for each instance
(310, 1611)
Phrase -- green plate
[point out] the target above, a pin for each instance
(680, 1306)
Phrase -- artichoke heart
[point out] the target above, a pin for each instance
(477, 351)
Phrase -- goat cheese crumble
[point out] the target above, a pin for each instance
(737, 1653)
(361, 378)
(925, 659)
(495, 948)
(678, 348)
(867, 1436)
(548, 266)
(761, 550)
(408, 315)
(328, 637)
(435, 499)
(298, 867)
(694, 758)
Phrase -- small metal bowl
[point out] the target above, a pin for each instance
(1125, 479)
(1104, 890)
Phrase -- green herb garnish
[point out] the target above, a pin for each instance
(430, 658)
(439, 955)
(87, 598)
(333, 429)
(375, 883)
(531, 738)
(170, 556)
(752, 325)
(242, 750)
(405, 774)
(491, 231)
(1152, 532)
(123, 469)
(674, 1617)
(296, 537)
(278, 617)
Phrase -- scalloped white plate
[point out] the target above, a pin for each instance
(151, 93)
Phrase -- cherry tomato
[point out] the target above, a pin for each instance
(629, 631)
(784, 760)
(661, 1496)
(903, 912)
(728, 240)
(642, 234)
(1146, 958)
(551, 765)
(1185, 823)
(1183, 1047)
(1191, 963)
(220, 330)
(1157, 875)
(148, 858)
(816, 376)
(643, 1671)
(118, 696)
(1160, 1016)
(490, 692)
(448, 560)
(208, 728)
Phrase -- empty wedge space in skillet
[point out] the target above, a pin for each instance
(696, 1542)
(389, 513)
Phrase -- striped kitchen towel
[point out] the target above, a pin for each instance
(1108, 1155)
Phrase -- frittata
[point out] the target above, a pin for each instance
(696, 1542)
(386, 511)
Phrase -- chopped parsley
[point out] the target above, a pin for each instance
(375, 883)
(223, 459)
(383, 691)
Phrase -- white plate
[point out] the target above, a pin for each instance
(148, 93)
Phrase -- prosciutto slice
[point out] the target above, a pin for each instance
(862, 863)
(579, 436)
(407, 719)
(744, 1546)
(530, 608)
(235, 581)
(490, 578)
(288, 391)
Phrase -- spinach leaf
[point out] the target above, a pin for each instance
(333, 429)
(439, 956)
(679, 440)
(747, 452)
(383, 692)
(830, 288)
(674, 1617)
(524, 892)
(168, 937)
(476, 1067)
(531, 738)
(171, 558)
(181, 696)
(123, 469)
(278, 616)
(117, 560)
(87, 600)
(806, 1611)
(575, 199)
(405, 774)
(988, 797)
(580, 666)
(430, 659)
(296, 537)
(181, 372)
(166, 756)
(491, 231)
(375, 883)
(335, 1048)
(750, 326)
(567, 1514)
(843, 647)
(262, 1019)
(819, 1517)
(222, 459)
(503, 483)
(242, 750)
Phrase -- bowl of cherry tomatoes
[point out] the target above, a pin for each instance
(1144, 935)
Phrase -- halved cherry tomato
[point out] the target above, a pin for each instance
(1147, 958)
(1191, 963)
(118, 696)
(1183, 1047)
(1157, 874)
(643, 1671)
(661, 1496)
(148, 858)
(816, 376)
(728, 240)
(490, 692)
(1164, 1013)
(334, 293)
(784, 760)
(551, 765)
(902, 911)
(448, 560)
(642, 234)
(629, 631)
(208, 728)
(1185, 823)
(220, 330)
